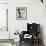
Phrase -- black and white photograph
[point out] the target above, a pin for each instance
(21, 13)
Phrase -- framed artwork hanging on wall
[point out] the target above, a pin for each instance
(21, 13)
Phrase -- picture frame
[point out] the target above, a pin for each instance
(21, 13)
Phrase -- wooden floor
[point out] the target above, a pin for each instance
(27, 44)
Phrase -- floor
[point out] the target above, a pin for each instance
(5, 44)
(27, 44)
(22, 44)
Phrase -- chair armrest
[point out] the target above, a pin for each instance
(22, 35)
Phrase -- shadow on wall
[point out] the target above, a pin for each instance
(41, 34)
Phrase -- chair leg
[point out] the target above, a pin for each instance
(20, 42)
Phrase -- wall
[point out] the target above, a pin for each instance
(3, 1)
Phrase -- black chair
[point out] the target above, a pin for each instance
(32, 29)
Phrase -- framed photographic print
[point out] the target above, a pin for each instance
(21, 13)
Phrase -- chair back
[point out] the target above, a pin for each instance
(33, 28)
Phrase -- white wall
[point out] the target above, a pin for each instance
(3, 1)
